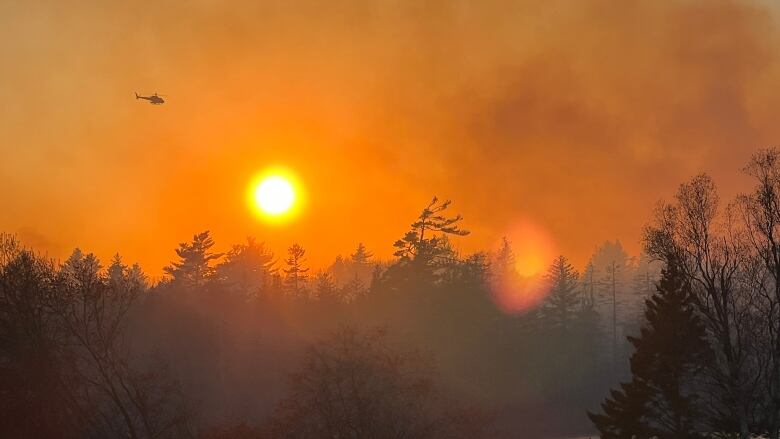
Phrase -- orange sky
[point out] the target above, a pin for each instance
(572, 116)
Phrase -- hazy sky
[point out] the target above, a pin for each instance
(570, 118)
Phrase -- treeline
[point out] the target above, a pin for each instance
(243, 344)
(707, 360)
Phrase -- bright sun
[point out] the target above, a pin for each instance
(274, 195)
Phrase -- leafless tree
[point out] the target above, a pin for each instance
(694, 230)
(38, 388)
(759, 211)
(355, 385)
(94, 307)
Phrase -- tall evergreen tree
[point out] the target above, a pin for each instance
(426, 241)
(376, 279)
(589, 285)
(563, 299)
(120, 277)
(503, 267)
(660, 400)
(326, 291)
(353, 289)
(296, 273)
(116, 271)
(247, 268)
(360, 271)
(362, 256)
(624, 413)
(426, 248)
(355, 270)
(194, 265)
(610, 284)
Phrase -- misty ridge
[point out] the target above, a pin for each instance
(680, 342)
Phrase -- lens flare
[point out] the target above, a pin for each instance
(524, 289)
(519, 294)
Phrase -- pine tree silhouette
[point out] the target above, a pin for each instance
(194, 265)
(563, 300)
(671, 350)
(296, 273)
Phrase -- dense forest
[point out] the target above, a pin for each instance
(237, 342)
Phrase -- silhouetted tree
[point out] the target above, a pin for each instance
(93, 310)
(693, 232)
(504, 263)
(470, 272)
(670, 354)
(759, 212)
(645, 276)
(361, 257)
(357, 386)
(361, 267)
(416, 246)
(610, 283)
(9, 248)
(503, 274)
(624, 413)
(610, 263)
(589, 284)
(426, 246)
(296, 273)
(355, 270)
(194, 265)
(376, 278)
(326, 289)
(247, 269)
(354, 289)
(563, 300)
(39, 386)
(352, 275)
(609, 253)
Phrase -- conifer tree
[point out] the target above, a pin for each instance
(361, 257)
(562, 302)
(503, 268)
(624, 413)
(376, 279)
(354, 289)
(425, 248)
(194, 265)
(296, 273)
(426, 240)
(120, 277)
(116, 271)
(247, 268)
(660, 400)
(326, 289)
(359, 273)
(589, 284)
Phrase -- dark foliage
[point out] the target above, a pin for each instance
(671, 351)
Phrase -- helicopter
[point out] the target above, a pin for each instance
(154, 99)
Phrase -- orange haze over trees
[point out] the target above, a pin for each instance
(568, 116)
(261, 253)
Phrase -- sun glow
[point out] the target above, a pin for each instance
(534, 250)
(274, 195)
